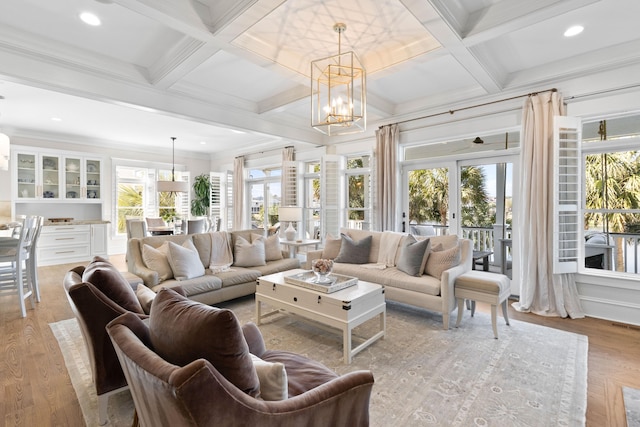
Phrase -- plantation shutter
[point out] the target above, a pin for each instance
(227, 221)
(290, 183)
(567, 140)
(217, 199)
(331, 194)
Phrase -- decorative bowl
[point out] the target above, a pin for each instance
(322, 268)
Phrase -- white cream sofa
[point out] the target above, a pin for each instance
(426, 291)
(212, 287)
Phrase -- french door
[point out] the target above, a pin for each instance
(473, 198)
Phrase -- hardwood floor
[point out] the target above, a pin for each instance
(36, 389)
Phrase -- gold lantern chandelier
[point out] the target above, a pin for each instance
(338, 92)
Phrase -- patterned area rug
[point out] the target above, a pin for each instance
(424, 375)
(632, 406)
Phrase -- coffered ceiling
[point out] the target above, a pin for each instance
(232, 76)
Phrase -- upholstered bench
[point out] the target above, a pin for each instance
(486, 287)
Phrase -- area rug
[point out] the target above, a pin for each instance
(424, 376)
(632, 406)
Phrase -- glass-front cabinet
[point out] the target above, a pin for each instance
(57, 177)
(26, 166)
(93, 171)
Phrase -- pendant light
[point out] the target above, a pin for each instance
(172, 186)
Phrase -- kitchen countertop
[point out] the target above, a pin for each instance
(77, 222)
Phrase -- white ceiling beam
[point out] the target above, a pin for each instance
(508, 16)
(431, 18)
(92, 85)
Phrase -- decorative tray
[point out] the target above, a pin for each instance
(334, 283)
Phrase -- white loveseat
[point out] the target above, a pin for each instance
(431, 288)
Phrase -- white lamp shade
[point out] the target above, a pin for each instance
(172, 186)
(290, 213)
(4, 152)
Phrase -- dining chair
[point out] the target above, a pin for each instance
(15, 271)
(136, 228)
(196, 226)
(155, 222)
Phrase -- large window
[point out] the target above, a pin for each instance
(264, 192)
(612, 195)
(359, 192)
(136, 196)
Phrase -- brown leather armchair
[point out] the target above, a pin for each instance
(94, 306)
(198, 395)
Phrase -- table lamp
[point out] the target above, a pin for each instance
(291, 214)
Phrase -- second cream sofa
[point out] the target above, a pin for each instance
(426, 291)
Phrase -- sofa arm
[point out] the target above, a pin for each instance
(311, 255)
(254, 339)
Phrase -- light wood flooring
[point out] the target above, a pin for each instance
(36, 389)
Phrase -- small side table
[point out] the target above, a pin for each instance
(295, 244)
(484, 256)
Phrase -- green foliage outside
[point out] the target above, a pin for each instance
(429, 197)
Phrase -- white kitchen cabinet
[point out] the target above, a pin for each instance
(59, 244)
(48, 176)
(99, 240)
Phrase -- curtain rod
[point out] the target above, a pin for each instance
(266, 151)
(475, 106)
(600, 92)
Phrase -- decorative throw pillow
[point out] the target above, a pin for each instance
(331, 247)
(413, 257)
(273, 379)
(441, 260)
(249, 254)
(185, 261)
(104, 276)
(145, 297)
(156, 259)
(272, 248)
(354, 252)
(182, 330)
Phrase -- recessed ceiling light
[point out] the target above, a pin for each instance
(90, 19)
(56, 119)
(203, 142)
(573, 31)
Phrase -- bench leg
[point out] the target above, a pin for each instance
(505, 311)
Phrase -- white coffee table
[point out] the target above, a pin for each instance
(344, 309)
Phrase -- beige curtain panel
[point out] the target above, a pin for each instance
(541, 292)
(386, 197)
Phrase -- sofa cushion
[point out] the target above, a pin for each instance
(277, 266)
(104, 276)
(413, 257)
(182, 331)
(441, 260)
(238, 275)
(195, 286)
(273, 379)
(272, 249)
(354, 252)
(156, 259)
(185, 261)
(425, 284)
(331, 247)
(249, 254)
(145, 297)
